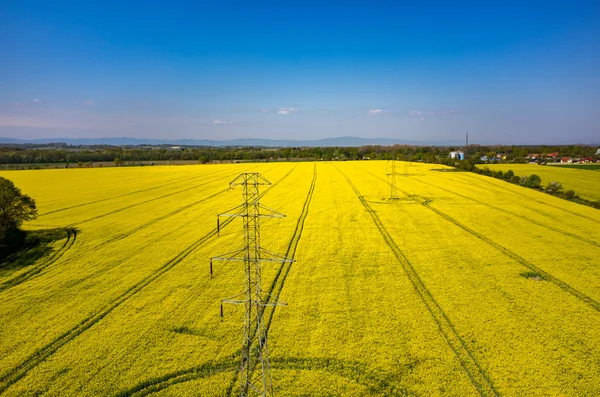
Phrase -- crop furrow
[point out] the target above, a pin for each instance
(43, 353)
(473, 369)
(160, 383)
(377, 382)
(277, 284)
(589, 218)
(147, 201)
(144, 202)
(156, 220)
(192, 294)
(151, 386)
(128, 233)
(40, 355)
(121, 236)
(554, 229)
(137, 204)
(125, 194)
(283, 271)
(36, 269)
(547, 276)
(169, 215)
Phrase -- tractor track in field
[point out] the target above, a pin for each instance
(128, 233)
(278, 282)
(589, 218)
(547, 276)
(38, 268)
(13, 375)
(124, 195)
(157, 384)
(190, 296)
(469, 363)
(153, 199)
(123, 235)
(377, 382)
(145, 202)
(40, 355)
(563, 232)
(153, 385)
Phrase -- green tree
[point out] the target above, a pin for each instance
(515, 179)
(554, 188)
(118, 162)
(15, 207)
(532, 180)
(570, 194)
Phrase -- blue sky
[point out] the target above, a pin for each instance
(506, 72)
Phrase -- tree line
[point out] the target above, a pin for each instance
(25, 154)
(532, 181)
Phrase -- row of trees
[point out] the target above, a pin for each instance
(429, 154)
(205, 154)
(533, 181)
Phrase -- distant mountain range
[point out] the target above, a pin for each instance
(340, 142)
(344, 141)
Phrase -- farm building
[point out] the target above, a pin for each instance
(457, 155)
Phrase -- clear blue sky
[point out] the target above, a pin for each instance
(506, 72)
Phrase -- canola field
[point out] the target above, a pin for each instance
(463, 286)
(583, 179)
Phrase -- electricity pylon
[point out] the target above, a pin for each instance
(392, 175)
(255, 370)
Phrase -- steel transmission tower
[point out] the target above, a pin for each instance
(255, 371)
(392, 175)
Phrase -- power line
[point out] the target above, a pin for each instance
(392, 174)
(255, 371)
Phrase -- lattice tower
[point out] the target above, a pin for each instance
(255, 371)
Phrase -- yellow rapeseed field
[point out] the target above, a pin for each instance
(462, 286)
(583, 179)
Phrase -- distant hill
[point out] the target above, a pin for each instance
(340, 141)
